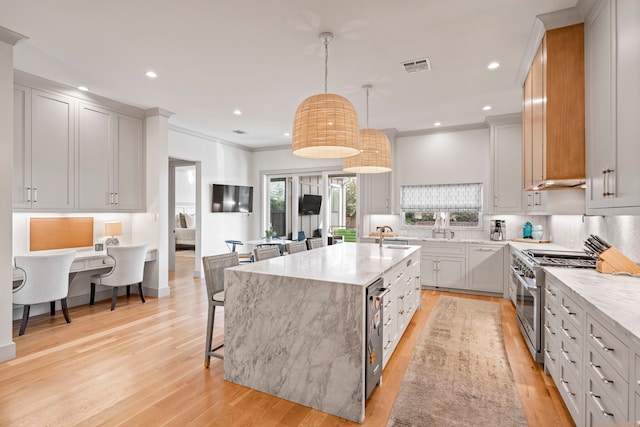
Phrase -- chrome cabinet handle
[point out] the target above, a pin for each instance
(547, 290)
(549, 312)
(568, 310)
(548, 329)
(548, 353)
(566, 356)
(598, 372)
(28, 194)
(566, 387)
(35, 194)
(117, 199)
(600, 343)
(388, 323)
(565, 331)
(605, 185)
(596, 399)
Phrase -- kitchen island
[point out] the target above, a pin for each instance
(295, 324)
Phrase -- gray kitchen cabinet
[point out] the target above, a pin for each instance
(486, 267)
(535, 201)
(612, 59)
(110, 160)
(377, 199)
(44, 150)
(506, 159)
(635, 378)
(444, 266)
(551, 329)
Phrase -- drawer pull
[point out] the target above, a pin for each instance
(388, 322)
(549, 292)
(548, 354)
(566, 387)
(596, 399)
(598, 372)
(566, 356)
(551, 313)
(568, 310)
(548, 329)
(565, 331)
(600, 343)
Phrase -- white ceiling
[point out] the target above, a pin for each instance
(264, 57)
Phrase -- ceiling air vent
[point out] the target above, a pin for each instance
(239, 132)
(416, 65)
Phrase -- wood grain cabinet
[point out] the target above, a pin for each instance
(110, 160)
(44, 150)
(612, 61)
(553, 110)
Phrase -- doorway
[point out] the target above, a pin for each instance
(184, 205)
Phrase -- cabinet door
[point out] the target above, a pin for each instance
(94, 153)
(21, 147)
(527, 136)
(452, 272)
(428, 273)
(538, 133)
(598, 96)
(536, 201)
(486, 269)
(129, 170)
(52, 151)
(624, 181)
(507, 168)
(378, 191)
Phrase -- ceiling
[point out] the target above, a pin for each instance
(264, 57)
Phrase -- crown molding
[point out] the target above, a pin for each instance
(459, 128)
(10, 37)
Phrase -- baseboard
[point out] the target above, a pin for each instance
(154, 292)
(8, 351)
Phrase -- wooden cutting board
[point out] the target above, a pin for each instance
(384, 235)
(523, 240)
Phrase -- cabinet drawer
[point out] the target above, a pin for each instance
(616, 387)
(636, 377)
(97, 263)
(550, 292)
(571, 358)
(601, 409)
(77, 266)
(572, 310)
(550, 351)
(614, 351)
(570, 334)
(550, 311)
(571, 391)
(444, 249)
(637, 411)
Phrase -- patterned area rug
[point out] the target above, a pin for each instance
(459, 374)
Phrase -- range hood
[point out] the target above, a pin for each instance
(560, 184)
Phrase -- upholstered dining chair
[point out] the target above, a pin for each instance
(46, 279)
(127, 270)
(266, 252)
(214, 266)
(294, 247)
(314, 243)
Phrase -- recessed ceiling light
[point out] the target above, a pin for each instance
(151, 74)
(287, 134)
(486, 107)
(437, 124)
(83, 88)
(493, 65)
(237, 112)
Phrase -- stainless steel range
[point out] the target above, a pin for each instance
(527, 273)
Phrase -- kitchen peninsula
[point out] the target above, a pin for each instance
(295, 324)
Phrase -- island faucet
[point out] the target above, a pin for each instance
(382, 230)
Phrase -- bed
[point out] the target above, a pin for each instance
(185, 231)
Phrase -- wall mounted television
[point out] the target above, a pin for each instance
(231, 198)
(310, 204)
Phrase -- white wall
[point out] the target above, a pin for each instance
(220, 164)
(185, 186)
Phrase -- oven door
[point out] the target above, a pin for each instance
(528, 311)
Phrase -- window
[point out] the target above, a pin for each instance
(444, 205)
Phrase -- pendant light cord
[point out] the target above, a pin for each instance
(367, 108)
(326, 62)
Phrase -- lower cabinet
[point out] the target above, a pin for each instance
(485, 263)
(590, 359)
(401, 303)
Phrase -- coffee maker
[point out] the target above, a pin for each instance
(498, 229)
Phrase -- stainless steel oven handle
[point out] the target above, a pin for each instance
(520, 278)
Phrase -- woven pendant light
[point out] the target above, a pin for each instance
(326, 125)
(375, 154)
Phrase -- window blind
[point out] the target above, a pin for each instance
(441, 198)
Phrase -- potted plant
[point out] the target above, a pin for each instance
(268, 233)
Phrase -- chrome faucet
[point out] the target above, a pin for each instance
(382, 230)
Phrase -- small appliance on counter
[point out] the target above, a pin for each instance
(498, 229)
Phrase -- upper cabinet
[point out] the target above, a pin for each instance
(506, 152)
(71, 155)
(377, 190)
(612, 61)
(553, 112)
(44, 150)
(110, 160)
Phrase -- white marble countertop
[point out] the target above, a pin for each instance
(351, 263)
(419, 240)
(615, 296)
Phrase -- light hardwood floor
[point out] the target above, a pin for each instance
(142, 364)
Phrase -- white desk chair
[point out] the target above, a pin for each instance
(214, 266)
(46, 279)
(128, 269)
(266, 252)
